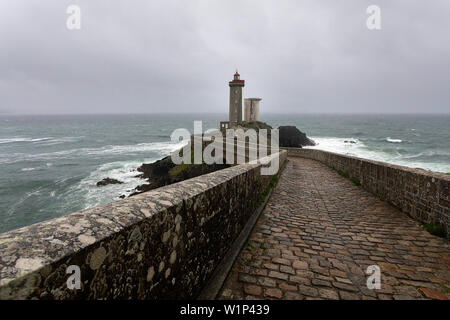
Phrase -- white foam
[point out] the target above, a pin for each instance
(19, 139)
(124, 171)
(359, 149)
(56, 141)
(388, 139)
(161, 148)
(338, 145)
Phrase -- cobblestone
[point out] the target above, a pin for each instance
(318, 234)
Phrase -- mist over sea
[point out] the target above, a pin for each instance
(49, 165)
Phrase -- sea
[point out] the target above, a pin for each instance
(50, 164)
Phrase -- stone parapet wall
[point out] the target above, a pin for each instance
(162, 244)
(423, 195)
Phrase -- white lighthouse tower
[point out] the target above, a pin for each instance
(251, 111)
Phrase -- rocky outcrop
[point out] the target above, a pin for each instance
(155, 170)
(291, 137)
(108, 181)
(164, 172)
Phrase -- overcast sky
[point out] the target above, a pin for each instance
(178, 56)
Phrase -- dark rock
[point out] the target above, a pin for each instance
(164, 172)
(349, 141)
(107, 181)
(159, 168)
(291, 137)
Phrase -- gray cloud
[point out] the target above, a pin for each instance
(177, 56)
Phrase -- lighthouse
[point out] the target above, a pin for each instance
(251, 111)
(236, 98)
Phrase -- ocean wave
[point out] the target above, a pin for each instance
(160, 148)
(45, 141)
(124, 171)
(428, 154)
(18, 139)
(161, 136)
(428, 160)
(388, 139)
(338, 145)
(28, 169)
(56, 141)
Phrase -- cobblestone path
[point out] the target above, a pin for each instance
(319, 232)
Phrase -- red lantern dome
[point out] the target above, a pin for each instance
(237, 77)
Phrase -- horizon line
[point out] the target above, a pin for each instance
(219, 113)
